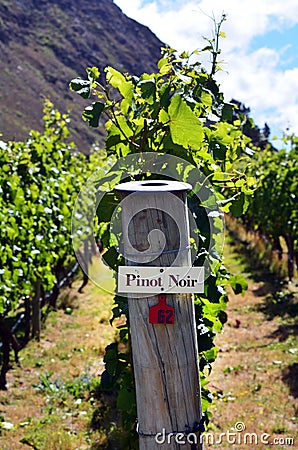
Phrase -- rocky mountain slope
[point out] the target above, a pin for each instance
(44, 44)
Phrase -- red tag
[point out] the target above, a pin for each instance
(161, 313)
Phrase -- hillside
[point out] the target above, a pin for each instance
(44, 44)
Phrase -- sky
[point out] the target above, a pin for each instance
(259, 54)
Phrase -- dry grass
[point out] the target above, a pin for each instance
(255, 376)
(71, 345)
(254, 379)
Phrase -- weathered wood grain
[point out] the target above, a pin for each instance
(165, 357)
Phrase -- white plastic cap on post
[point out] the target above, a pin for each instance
(153, 186)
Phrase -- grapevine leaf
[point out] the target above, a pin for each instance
(111, 359)
(126, 400)
(92, 113)
(227, 112)
(237, 207)
(106, 381)
(205, 342)
(118, 81)
(111, 258)
(185, 127)
(238, 284)
(148, 89)
(207, 48)
(93, 73)
(211, 354)
(163, 116)
(108, 203)
(165, 97)
(206, 400)
(81, 87)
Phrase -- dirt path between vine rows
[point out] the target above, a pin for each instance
(255, 376)
(254, 380)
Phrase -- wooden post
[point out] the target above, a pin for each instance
(36, 312)
(165, 356)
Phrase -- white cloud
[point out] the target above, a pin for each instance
(254, 77)
(178, 22)
(271, 93)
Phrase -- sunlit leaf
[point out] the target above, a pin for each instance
(185, 127)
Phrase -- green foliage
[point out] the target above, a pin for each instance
(273, 211)
(277, 175)
(82, 87)
(79, 388)
(168, 112)
(39, 181)
(178, 111)
(92, 113)
(118, 377)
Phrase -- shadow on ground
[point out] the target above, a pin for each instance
(290, 377)
(280, 301)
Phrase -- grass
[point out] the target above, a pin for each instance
(50, 402)
(53, 401)
(254, 377)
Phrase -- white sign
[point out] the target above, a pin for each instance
(159, 280)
